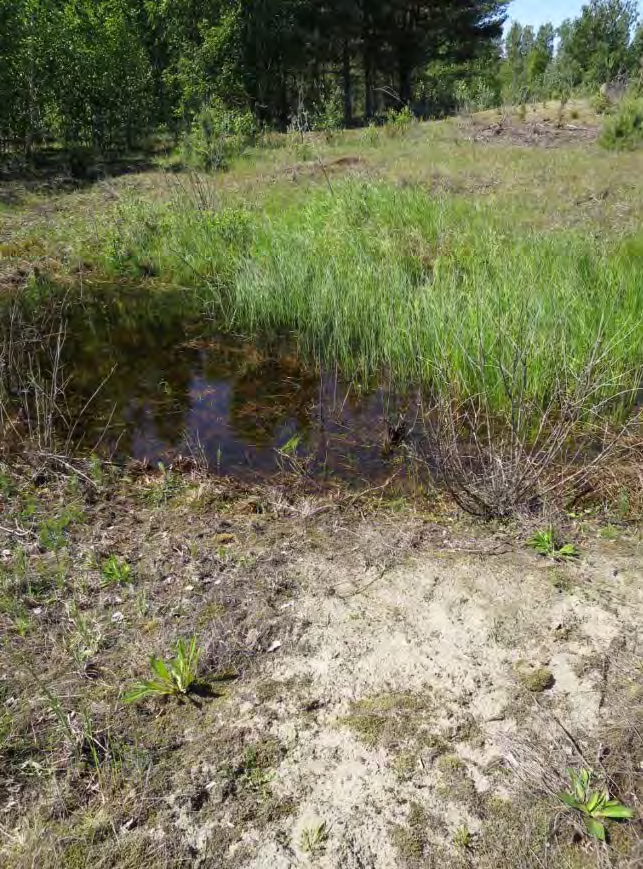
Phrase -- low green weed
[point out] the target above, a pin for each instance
(370, 135)
(165, 487)
(399, 121)
(56, 708)
(595, 806)
(20, 562)
(292, 445)
(6, 727)
(624, 504)
(174, 677)
(54, 531)
(6, 485)
(462, 838)
(314, 838)
(600, 103)
(96, 470)
(254, 774)
(610, 533)
(95, 748)
(115, 571)
(546, 543)
(16, 613)
(83, 637)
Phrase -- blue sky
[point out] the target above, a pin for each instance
(537, 12)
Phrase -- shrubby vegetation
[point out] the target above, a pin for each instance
(74, 72)
(624, 129)
(218, 134)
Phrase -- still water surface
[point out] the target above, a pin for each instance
(173, 386)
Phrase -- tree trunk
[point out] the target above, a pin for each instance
(406, 91)
(368, 88)
(283, 104)
(347, 85)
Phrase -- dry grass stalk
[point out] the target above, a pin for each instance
(518, 461)
(36, 418)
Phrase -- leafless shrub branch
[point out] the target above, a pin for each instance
(513, 456)
(35, 414)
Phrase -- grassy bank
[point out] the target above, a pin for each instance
(375, 277)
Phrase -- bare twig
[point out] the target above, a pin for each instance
(506, 455)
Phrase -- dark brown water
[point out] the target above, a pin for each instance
(173, 387)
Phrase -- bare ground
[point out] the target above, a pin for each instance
(416, 684)
(545, 133)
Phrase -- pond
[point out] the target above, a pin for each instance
(168, 385)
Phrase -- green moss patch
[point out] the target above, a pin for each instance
(393, 721)
(534, 677)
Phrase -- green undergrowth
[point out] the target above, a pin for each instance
(624, 129)
(373, 277)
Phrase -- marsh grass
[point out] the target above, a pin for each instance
(372, 278)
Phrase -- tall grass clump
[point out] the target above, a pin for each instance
(194, 240)
(624, 129)
(374, 278)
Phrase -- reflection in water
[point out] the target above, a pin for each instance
(176, 383)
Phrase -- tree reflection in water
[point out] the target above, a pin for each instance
(175, 381)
